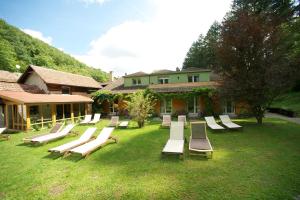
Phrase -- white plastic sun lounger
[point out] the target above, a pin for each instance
(211, 123)
(87, 119)
(96, 118)
(166, 120)
(84, 138)
(114, 122)
(54, 136)
(228, 123)
(55, 129)
(175, 145)
(101, 140)
(4, 136)
(124, 124)
(182, 118)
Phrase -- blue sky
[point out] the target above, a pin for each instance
(119, 35)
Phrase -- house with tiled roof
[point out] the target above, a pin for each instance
(172, 82)
(42, 96)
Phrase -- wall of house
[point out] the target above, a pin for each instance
(35, 79)
(173, 78)
(178, 106)
(128, 81)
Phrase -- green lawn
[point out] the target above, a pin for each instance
(289, 101)
(260, 162)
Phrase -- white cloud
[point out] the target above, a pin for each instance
(39, 35)
(93, 1)
(158, 43)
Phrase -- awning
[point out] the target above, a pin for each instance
(29, 98)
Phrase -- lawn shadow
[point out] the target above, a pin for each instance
(52, 156)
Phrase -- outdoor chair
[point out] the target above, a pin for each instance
(96, 118)
(166, 121)
(2, 135)
(87, 119)
(211, 123)
(87, 148)
(53, 136)
(175, 144)
(228, 123)
(199, 141)
(114, 121)
(56, 128)
(84, 138)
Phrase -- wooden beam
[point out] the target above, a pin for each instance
(13, 116)
(22, 117)
(72, 113)
(53, 113)
(6, 116)
(85, 108)
(41, 114)
(27, 117)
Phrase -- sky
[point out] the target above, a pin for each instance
(123, 36)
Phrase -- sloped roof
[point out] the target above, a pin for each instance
(162, 71)
(137, 74)
(28, 98)
(17, 87)
(9, 77)
(51, 76)
(195, 69)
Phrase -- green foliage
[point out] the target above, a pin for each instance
(202, 54)
(16, 47)
(139, 106)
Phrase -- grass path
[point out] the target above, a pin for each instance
(261, 162)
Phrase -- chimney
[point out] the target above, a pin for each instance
(177, 69)
(111, 76)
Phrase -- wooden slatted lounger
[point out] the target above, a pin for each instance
(87, 148)
(114, 122)
(53, 130)
(96, 119)
(53, 136)
(84, 138)
(87, 119)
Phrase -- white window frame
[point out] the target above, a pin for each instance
(193, 78)
(137, 80)
(163, 80)
(163, 106)
(225, 111)
(196, 108)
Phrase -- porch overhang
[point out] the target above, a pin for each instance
(30, 98)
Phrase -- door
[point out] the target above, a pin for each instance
(2, 117)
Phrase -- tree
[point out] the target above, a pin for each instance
(140, 106)
(252, 53)
(202, 54)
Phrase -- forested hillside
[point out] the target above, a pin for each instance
(18, 48)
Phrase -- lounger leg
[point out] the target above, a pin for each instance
(211, 154)
(66, 154)
(114, 138)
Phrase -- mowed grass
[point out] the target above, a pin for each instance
(260, 162)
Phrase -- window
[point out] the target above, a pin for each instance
(193, 78)
(163, 80)
(136, 81)
(228, 107)
(65, 90)
(166, 106)
(34, 114)
(193, 105)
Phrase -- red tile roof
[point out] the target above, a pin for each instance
(9, 77)
(17, 87)
(29, 98)
(52, 76)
